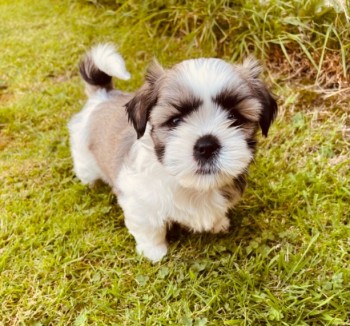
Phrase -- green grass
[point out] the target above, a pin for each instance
(66, 257)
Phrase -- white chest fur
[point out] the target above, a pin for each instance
(147, 192)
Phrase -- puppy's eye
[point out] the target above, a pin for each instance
(237, 119)
(233, 116)
(173, 122)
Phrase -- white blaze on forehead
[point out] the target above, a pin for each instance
(207, 77)
(209, 119)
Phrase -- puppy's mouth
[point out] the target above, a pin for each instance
(207, 170)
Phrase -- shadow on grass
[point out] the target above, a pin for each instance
(248, 224)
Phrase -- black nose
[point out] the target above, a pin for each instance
(206, 147)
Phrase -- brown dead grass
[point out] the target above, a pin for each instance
(331, 77)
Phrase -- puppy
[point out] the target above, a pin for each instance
(176, 150)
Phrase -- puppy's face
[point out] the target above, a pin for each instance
(203, 116)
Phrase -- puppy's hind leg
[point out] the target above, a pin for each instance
(85, 166)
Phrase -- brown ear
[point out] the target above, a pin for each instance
(140, 106)
(269, 108)
(269, 105)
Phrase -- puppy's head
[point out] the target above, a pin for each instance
(203, 116)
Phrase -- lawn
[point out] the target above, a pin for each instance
(66, 257)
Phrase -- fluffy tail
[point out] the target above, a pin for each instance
(99, 65)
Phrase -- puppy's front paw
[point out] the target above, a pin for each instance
(153, 252)
(221, 225)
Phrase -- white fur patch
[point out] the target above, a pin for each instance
(108, 60)
(152, 198)
(85, 166)
(207, 77)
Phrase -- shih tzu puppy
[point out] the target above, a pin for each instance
(176, 150)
